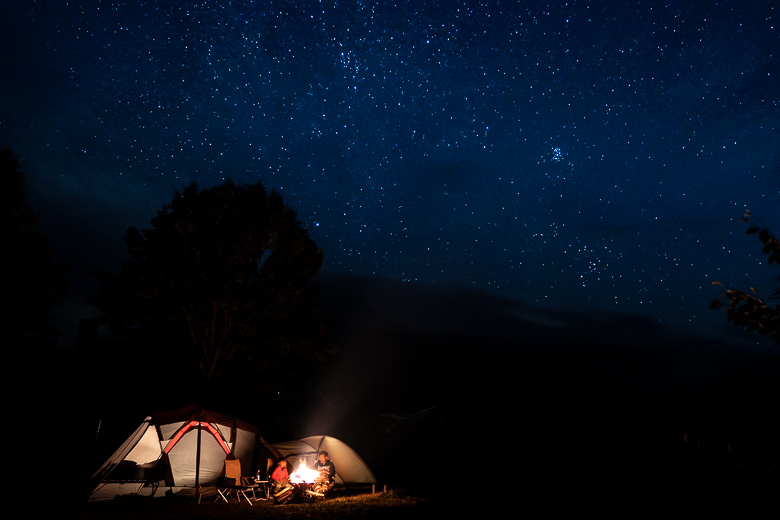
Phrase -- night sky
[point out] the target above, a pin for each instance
(591, 156)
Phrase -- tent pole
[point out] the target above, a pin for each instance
(197, 466)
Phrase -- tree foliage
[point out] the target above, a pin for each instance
(747, 309)
(31, 282)
(222, 282)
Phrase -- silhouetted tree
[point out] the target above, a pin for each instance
(222, 282)
(31, 282)
(747, 309)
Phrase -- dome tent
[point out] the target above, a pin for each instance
(180, 451)
(350, 468)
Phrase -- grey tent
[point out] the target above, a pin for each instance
(350, 468)
(180, 451)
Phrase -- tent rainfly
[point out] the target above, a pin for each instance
(181, 451)
(350, 468)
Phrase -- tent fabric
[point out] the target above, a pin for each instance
(350, 468)
(179, 450)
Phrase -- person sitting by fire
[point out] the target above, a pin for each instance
(280, 478)
(327, 474)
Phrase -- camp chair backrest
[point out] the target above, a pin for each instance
(233, 471)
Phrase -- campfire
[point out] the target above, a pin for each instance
(305, 483)
(304, 475)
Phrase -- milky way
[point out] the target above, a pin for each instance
(580, 154)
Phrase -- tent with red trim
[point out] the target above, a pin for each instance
(180, 452)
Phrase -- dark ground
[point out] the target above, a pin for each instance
(385, 505)
(475, 499)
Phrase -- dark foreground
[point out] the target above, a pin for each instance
(467, 499)
(380, 505)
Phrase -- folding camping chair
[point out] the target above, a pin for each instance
(233, 482)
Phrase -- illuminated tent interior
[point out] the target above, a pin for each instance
(180, 451)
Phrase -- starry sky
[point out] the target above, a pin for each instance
(583, 155)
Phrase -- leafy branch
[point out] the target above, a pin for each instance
(747, 309)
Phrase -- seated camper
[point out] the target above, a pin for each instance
(280, 478)
(327, 474)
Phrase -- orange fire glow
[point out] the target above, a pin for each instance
(304, 474)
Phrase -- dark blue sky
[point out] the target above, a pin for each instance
(584, 155)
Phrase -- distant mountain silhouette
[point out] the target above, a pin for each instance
(493, 364)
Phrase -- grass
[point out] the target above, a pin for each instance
(387, 505)
(555, 496)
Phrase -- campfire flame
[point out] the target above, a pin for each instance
(304, 474)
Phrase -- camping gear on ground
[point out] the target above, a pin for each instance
(297, 493)
(286, 495)
(180, 452)
(233, 483)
